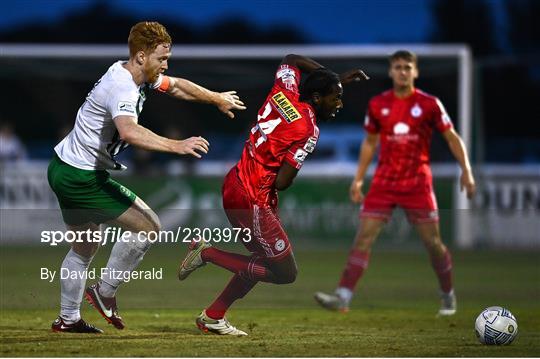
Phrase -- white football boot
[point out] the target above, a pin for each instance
(332, 302)
(193, 259)
(217, 326)
(448, 304)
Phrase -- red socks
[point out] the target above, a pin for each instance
(443, 269)
(356, 264)
(250, 268)
(236, 289)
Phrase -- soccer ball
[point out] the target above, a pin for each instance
(496, 326)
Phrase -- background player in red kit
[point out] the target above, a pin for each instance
(284, 134)
(402, 120)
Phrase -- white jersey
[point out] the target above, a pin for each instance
(94, 141)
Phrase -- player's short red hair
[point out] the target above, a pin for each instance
(146, 36)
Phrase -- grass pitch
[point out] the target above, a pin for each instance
(393, 313)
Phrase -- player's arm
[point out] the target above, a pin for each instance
(354, 75)
(136, 135)
(304, 64)
(285, 176)
(367, 151)
(457, 147)
(183, 89)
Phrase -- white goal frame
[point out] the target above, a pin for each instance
(462, 230)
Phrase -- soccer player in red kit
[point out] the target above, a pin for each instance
(285, 133)
(402, 121)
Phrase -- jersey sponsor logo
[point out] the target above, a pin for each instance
(401, 133)
(285, 107)
(416, 111)
(401, 128)
(310, 144)
(300, 155)
(280, 245)
(125, 106)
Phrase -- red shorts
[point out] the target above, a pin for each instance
(420, 206)
(268, 239)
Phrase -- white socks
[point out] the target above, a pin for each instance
(344, 293)
(71, 290)
(125, 257)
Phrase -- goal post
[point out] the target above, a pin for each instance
(459, 52)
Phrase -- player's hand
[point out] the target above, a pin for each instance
(467, 183)
(355, 191)
(229, 101)
(192, 146)
(354, 75)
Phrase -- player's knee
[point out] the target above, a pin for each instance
(86, 250)
(152, 224)
(364, 242)
(287, 277)
(434, 244)
(156, 224)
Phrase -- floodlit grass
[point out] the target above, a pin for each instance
(392, 315)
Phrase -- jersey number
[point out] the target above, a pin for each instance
(265, 128)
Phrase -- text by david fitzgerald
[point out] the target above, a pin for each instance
(125, 276)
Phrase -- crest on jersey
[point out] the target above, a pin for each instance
(416, 111)
(285, 107)
(280, 245)
(385, 111)
(401, 128)
(310, 144)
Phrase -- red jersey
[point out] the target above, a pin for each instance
(285, 131)
(405, 126)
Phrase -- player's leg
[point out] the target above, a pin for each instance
(125, 256)
(441, 261)
(271, 260)
(213, 318)
(376, 211)
(357, 263)
(73, 187)
(73, 280)
(422, 211)
(260, 222)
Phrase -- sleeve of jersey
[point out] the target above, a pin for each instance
(441, 118)
(287, 78)
(298, 152)
(162, 83)
(371, 124)
(123, 102)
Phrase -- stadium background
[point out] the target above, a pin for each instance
(499, 267)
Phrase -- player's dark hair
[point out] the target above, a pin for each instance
(321, 80)
(406, 55)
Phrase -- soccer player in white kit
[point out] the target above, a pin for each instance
(78, 174)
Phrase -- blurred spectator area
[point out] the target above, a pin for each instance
(45, 111)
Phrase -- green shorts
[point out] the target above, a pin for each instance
(87, 195)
